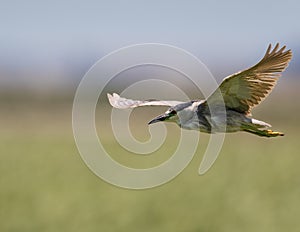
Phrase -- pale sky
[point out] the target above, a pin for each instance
(38, 34)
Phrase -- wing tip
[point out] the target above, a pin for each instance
(113, 99)
(276, 50)
(278, 57)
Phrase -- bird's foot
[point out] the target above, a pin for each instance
(271, 133)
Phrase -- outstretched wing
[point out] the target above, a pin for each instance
(123, 103)
(246, 89)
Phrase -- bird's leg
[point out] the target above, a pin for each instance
(264, 133)
(274, 133)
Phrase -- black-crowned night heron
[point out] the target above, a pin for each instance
(239, 93)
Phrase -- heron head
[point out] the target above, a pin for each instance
(180, 113)
(169, 115)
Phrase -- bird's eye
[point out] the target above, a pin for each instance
(173, 112)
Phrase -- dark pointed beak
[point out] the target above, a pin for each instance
(159, 118)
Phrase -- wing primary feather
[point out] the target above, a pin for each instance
(123, 103)
(245, 89)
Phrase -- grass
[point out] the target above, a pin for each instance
(45, 186)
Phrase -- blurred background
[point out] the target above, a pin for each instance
(46, 48)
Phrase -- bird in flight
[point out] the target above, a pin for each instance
(238, 93)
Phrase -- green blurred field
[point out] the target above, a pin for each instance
(45, 186)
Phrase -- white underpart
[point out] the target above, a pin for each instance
(260, 123)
